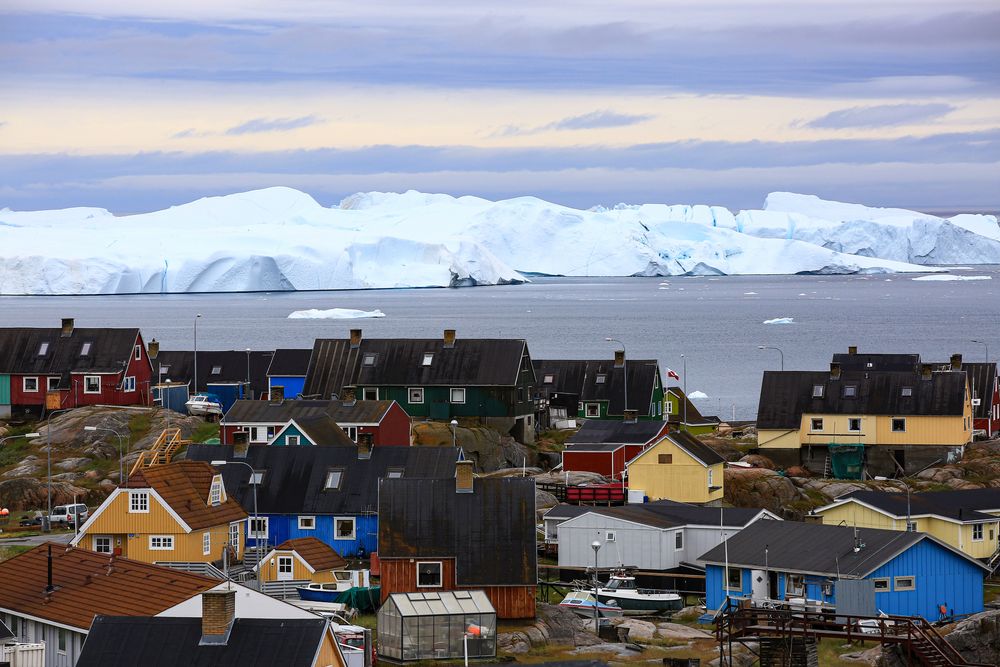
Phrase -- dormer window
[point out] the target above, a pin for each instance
(394, 473)
(138, 501)
(428, 359)
(369, 359)
(547, 379)
(818, 391)
(216, 370)
(43, 349)
(850, 391)
(85, 349)
(333, 479)
(256, 477)
(215, 492)
(601, 377)
(907, 391)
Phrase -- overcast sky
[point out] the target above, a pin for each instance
(137, 105)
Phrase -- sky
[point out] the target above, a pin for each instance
(135, 106)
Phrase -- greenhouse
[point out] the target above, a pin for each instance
(422, 626)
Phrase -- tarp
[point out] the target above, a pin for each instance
(365, 600)
(846, 460)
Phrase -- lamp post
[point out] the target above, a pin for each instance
(771, 347)
(122, 481)
(983, 343)
(22, 435)
(596, 546)
(454, 425)
(48, 453)
(248, 371)
(253, 483)
(624, 371)
(684, 370)
(196, 318)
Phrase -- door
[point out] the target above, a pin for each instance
(284, 568)
(773, 585)
(758, 584)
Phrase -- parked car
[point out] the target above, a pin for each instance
(69, 513)
(33, 519)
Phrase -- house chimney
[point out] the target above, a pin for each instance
(463, 477)
(350, 397)
(364, 445)
(67, 327)
(355, 338)
(956, 362)
(240, 438)
(834, 370)
(925, 371)
(277, 393)
(153, 349)
(631, 416)
(218, 611)
(853, 349)
(449, 338)
(619, 358)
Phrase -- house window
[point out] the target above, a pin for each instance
(307, 523)
(818, 390)
(734, 579)
(904, 584)
(138, 501)
(881, 584)
(138, 352)
(827, 588)
(30, 385)
(907, 391)
(161, 542)
(609, 536)
(333, 478)
(850, 391)
(816, 424)
(43, 349)
(394, 473)
(256, 477)
(370, 393)
(85, 349)
(343, 528)
(62, 640)
(369, 359)
(429, 575)
(679, 540)
(854, 424)
(258, 434)
(206, 543)
(92, 384)
(352, 432)
(416, 395)
(977, 532)
(547, 379)
(52, 384)
(710, 476)
(215, 492)
(428, 359)
(670, 408)
(292, 440)
(911, 526)
(128, 384)
(258, 527)
(664, 458)
(102, 544)
(898, 425)
(593, 409)
(794, 584)
(457, 395)
(234, 537)
(216, 370)
(601, 378)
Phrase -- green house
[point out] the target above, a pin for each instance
(690, 420)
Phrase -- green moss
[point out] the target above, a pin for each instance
(139, 425)
(205, 432)
(8, 552)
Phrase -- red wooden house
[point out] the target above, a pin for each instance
(605, 447)
(460, 534)
(68, 367)
(985, 388)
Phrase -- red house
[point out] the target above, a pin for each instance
(605, 447)
(382, 423)
(49, 369)
(985, 388)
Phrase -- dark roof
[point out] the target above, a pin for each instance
(398, 362)
(693, 415)
(184, 486)
(566, 511)
(670, 514)
(814, 548)
(320, 555)
(275, 412)
(786, 395)
(289, 363)
(323, 430)
(232, 365)
(490, 532)
(582, 377)
(294, 477)
(695, 447)
(906, 363)
(616, 432)
(982, 380)
(110, 350)
(125, 641)
(963, 505)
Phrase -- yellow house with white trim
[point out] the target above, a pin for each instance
(678, 467)
(179, 512)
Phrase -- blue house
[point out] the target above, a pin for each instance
(328, 492)
(902, 573)
(288, 371)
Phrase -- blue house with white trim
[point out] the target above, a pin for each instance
(288, 370)
(905, 573)
(327, 492)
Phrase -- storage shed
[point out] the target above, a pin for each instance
(423, 626)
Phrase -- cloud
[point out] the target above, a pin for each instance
(595, 120)
(883, 115)
(258, 125)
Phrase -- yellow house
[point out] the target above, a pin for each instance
(179, 512)
(303, 559)
(968, 520)
(678, 467)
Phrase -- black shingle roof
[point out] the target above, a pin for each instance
(294, 477)
(695, 447)
(152, 641)
(268, 412)
(963, 505)
(583, 378)
(662, 514)
(615, 432)
(490, 532)
(786, 395)
(693, 415)
(178, 366)
(109, 350)
(323, 430)
(982, 380)
(905, 363)
(289, 363)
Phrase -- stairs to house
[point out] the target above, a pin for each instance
(826, 468)
(791, 652)
(994, 562)
(162, 451)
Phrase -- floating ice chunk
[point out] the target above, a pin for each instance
(948, 279)
(781, 320)
(334, 314)
(697, 394)
(749, 293)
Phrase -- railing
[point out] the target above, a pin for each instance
(195, 567)
(283, 589)
(162, 451)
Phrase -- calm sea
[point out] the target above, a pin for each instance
(712, 325)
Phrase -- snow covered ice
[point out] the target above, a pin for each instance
(334, 314)
(951, 278)
(780, 320)
(282, 239)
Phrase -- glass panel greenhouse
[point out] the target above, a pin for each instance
(427, 626)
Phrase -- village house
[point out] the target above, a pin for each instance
(460, 534)
(902, 573)
(605, 447)
(51, 369)
(984, 387)
(445, 378)
(330, 493)
(677, 467)
(174, 513)
(288, 370)
(301, 559)
(968, 519)
(596, 389)
(682, 414)
(229, 374)
(884, 414)
(379, 422)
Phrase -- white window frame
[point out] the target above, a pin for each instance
(234, 536)
(307, 523)
(812, 424)
(979, 527)
(85, 349)
(710, 475)
(336, 531)
(128, 384)
(97, 547)
(892, 425)
(161, 542)
(43, 348)
(137, 353)
(261, 521)
(255, 433)
(372, 397)
(24, 384)
(850, 424)
(428, 359)
(795, 584)
(293, 440)
(897, 586)
(215, 491)
(911, 526)
(885, 584)
(62, 640)
(440, 566)
(850, 391)
(87, 379)
(326, 479)
(818, 390)
(206, 543)
(352, 432)
(52, 384)
(679, 540)
(451, 395)
(285, 564)
(588, 406)
(415, 395)
(138, 502)
(609, 536)
(670, 407)
(726, 575)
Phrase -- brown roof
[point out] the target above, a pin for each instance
(88, 583)
(318, 554)
(184, 485)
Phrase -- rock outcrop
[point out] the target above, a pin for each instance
(760, 487)
(488, 448)
(28, 493)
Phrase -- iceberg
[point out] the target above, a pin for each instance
(950, 278)
(334, 314)
(780, 320)
(279, 239)
(697, 395)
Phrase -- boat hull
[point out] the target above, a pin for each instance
(314, 595)
(587, 611)
(633, 605)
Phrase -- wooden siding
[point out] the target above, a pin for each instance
(778, 439)
(269, 569)
(329, 656)
(683, 480)
(877, 430)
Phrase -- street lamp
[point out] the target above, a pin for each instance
(122, 481)
(21, 435)
(684, 370)
(624, 371)
(196, 317)
(253, 483)
(454, 425)
(248, 371)
(771, 347)
(983, 343)
(596, 546)
(48, 438)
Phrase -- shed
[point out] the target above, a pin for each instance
(423, 626)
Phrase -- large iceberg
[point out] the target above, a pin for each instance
(282, 239)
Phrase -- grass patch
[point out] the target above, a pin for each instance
(205, 431)
(139, 425)
(553, 440)
(991, 592)
(8, 552)
(4, 535)
(831, 650)
(13, 451)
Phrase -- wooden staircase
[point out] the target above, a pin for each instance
(162, 451)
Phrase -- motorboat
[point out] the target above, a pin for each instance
(582, 603)
(321, 592)
(622, 591)
(204, 405)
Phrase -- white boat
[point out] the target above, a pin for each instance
(632, 600)
(203, 405)
(582, 603)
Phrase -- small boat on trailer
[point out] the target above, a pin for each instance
(632, 600)
(582, 603)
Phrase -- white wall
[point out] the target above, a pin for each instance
(249, 604)
(38, 632)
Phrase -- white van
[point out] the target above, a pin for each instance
(69, 513)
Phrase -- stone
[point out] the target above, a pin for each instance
(561, 625)
(535, 636)
(27, 493)
(573, 478)
(689, 613)
(637, 629)
(71, 463)
(678, 631)
(758, 461)
(107, 485)
(91, 474)
(544, 500)
(798, 471)
(24, 469)
(760, 487)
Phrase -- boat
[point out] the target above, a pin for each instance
(204, 405)
(582, 603)
(632, 600)
(320, 592)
